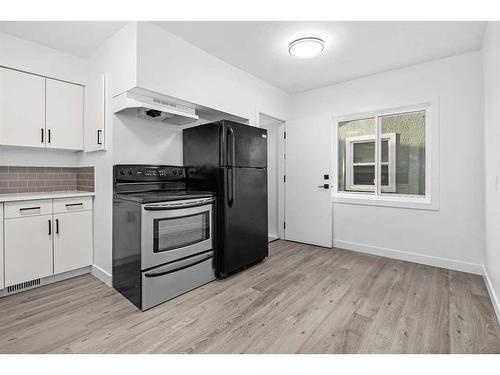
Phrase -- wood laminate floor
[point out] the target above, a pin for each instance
(302, 299)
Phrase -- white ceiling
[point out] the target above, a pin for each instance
(353, 49)
(78, 38)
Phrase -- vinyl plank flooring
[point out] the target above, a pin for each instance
(302, 299)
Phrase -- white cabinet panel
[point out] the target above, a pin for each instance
(1, 247)
(95, 114)
(22, 109)
(28, 208)
(63, 205)
(64, 115)
(28, 248)
(72, 240)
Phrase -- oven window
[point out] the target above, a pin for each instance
(175, 232)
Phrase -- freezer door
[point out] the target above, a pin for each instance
(243, 219)
(243, 145)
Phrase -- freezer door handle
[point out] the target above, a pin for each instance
(230, 146)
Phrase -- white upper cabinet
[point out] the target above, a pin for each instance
(95, 113)
(40, 112)
(22, 109)
(64, 115)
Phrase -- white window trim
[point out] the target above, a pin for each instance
(391, 163)
(431, 199)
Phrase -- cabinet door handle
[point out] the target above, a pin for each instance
(41, 140)
(29, 208)
(50, 227)
(99, 142)
(57, 226)
(68, 205)
(49, 136)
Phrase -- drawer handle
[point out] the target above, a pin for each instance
(29, 208)
(69, 205)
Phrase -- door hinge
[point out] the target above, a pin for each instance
(284, 135)
(284, 225)
(284, 178)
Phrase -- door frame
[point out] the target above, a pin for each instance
(281, 172)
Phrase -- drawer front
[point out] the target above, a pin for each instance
(27, 208)
(63, 205)
(166, 282)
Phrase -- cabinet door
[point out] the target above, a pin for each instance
(28, 248)
(22, 109)
(95, 114)
(64, 123)
(1, 247)
(72, 241)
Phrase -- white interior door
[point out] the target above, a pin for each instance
(308, 204)
(275, 193)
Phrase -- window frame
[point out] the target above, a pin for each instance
(429, 201)
(391, 163)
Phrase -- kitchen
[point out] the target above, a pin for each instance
(158, 207)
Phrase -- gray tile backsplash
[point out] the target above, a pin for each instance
(45, 179)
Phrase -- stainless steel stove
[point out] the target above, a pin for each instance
(163, 234)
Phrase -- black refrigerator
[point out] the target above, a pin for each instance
(230, 159)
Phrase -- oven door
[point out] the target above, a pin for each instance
(175, 230)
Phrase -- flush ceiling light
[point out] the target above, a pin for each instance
(306, 47)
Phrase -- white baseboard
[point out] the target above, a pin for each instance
(102, 275)
(412, 257)
(491, 291)
(50, 280)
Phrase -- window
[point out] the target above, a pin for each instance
(360, 163)
(383, 156)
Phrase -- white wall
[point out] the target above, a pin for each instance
(172, 66)
(34, 58)
(491, 79)
(456, 231)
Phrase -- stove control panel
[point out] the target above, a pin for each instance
(148, 172)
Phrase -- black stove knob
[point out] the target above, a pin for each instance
(130, 172)
(122, 172)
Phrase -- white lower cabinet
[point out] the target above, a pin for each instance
(1, 247)
(28, 248)
(72, 240)
(45, 237)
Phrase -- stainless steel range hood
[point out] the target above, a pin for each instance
(153, 107)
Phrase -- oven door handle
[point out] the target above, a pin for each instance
(165, 207)
(180, 265)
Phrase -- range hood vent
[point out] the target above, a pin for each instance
(154, 108)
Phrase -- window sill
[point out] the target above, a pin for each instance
(384, 201)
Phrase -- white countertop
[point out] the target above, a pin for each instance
(44, 195)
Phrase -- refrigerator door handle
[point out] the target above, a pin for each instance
(230, 186)
(230, 132)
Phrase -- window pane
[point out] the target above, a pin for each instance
(350, 134)
(385, 151)
(364, 174)
(384, 177)
(363, 152)
(405, 153)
